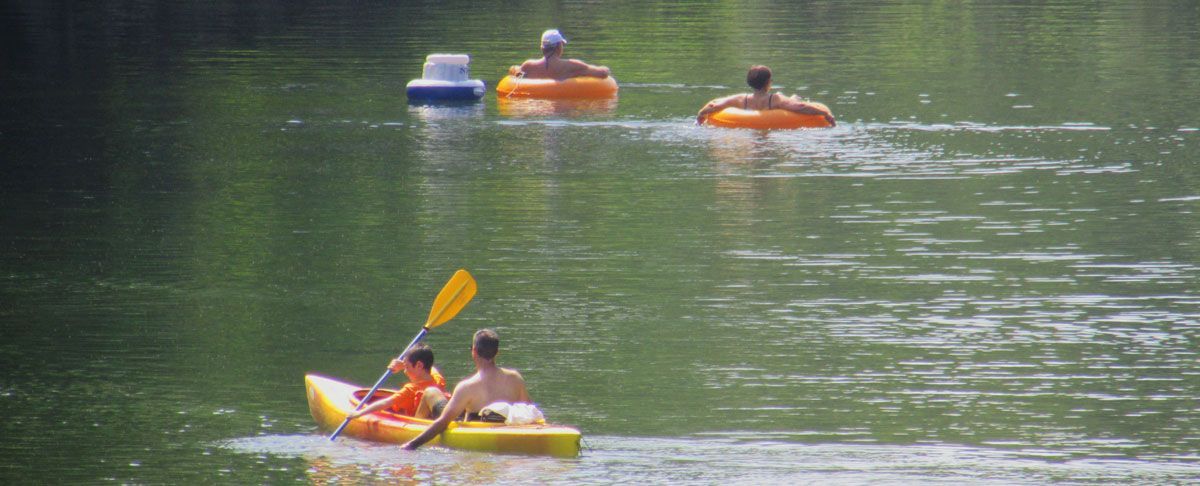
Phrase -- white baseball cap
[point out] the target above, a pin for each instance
(552, 37)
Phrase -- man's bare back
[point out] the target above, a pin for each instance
(553, 66)
(489, 386)
(560, 69)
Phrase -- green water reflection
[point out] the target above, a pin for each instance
(993, 256)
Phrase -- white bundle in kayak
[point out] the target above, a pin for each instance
(515, 413)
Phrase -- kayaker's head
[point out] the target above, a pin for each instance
(552, 43)
(759, 77)
(486, 344)
(418, 361)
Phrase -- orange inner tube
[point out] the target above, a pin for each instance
(767, 119)
(580, 87)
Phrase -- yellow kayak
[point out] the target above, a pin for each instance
(331, 400)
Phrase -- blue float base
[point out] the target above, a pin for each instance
(425, 91)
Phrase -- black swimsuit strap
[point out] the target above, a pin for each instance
(746, 101)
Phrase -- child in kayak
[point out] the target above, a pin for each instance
(423, 378)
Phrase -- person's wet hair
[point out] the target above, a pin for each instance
(487, 343)
(758, 77)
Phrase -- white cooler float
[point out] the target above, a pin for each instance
(444, 78)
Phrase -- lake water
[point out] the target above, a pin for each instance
(986, 274)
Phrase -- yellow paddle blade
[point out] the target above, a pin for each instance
(453, 297)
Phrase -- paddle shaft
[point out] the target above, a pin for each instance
(386, 374)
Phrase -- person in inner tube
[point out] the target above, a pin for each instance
(553, 66)
(759, 78)
(488, 385)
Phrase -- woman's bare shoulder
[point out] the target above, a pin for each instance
(728, 100)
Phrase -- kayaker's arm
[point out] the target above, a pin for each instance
(454, 408)
(395, 366)
(522, 392)
(373, 407)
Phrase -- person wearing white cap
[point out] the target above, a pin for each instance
(553, 66)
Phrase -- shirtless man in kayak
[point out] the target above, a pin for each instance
(489, 384)
(553, 66)
(759, 78)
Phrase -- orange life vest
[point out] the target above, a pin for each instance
(409, 397)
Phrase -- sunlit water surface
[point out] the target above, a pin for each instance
(985, 274)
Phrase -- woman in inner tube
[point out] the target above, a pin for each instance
(759, 78)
